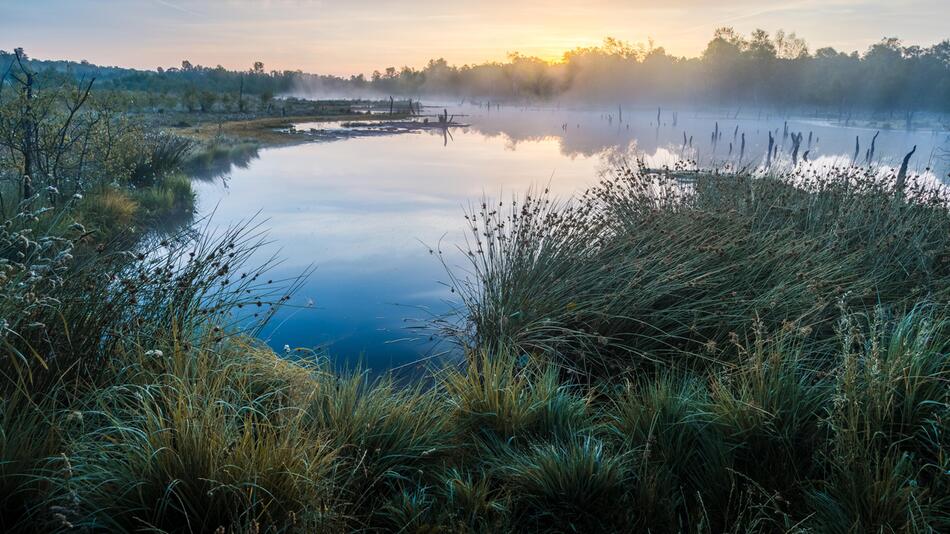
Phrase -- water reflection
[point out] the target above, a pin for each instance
(586, 133)
(367, 210)
(220, 159)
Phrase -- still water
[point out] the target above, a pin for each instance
(365, 211)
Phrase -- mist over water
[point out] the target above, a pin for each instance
(367, 210)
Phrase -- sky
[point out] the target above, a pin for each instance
(358, 36)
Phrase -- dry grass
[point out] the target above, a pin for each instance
(268, 131)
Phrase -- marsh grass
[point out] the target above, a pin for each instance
(196, 450)
(888, 460)
(30, 434)
(171, 196)
(192, 434)
(499, 398)
(651, 268)
(112, 210)
(134, 397)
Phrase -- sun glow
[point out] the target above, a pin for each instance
(362, 36)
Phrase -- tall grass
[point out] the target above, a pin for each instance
(647, 268)
(170, 196)
(888, 461)
(192, 435)
(30, 434)
(159, 155)
(133, 396)
(195, 450)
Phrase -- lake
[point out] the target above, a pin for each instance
(366, 210)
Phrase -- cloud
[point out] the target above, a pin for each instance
(177, 7)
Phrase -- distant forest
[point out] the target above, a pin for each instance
(734, 70)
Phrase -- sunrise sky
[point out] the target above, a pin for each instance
(351, 36)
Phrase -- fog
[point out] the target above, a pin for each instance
(759, 70)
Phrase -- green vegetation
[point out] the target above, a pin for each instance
(149, 409)
(758, 70)
(669, 351)
(66, 144)
(649, 268)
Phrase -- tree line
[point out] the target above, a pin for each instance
(760, 69)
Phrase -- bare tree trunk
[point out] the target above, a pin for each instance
(902, 174)
(870, 156)
(742, 149)
(241, 95)
(796, 145)
(28, 134)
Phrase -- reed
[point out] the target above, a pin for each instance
(665, 268)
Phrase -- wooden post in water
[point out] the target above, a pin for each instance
(796, 144)
(870, 156)
(902, 174)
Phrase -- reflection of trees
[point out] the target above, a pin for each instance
(219, 160)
